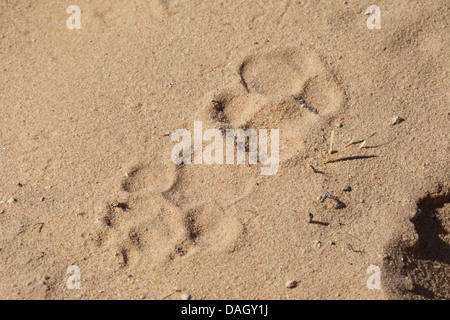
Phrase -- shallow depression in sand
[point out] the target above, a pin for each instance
(152, 177)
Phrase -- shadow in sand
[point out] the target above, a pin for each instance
(429, 265)
(320, 223)
(430, 228)
(352, 158)
(422, 271)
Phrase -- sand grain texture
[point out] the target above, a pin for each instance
(86, 118)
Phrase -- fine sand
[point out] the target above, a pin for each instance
(87, 180)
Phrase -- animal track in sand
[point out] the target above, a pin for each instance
(147, 228)
(223, 184)
(151, 177)
(210, 227)
(173, 211)
(286, 89)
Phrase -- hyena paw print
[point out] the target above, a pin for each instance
(145, 227)
(287, 89)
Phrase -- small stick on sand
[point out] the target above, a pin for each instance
(314, 169)
(41, 225)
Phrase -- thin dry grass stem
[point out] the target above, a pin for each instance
(351, 142)
(365, 140)
(171, 294)
(330, 149)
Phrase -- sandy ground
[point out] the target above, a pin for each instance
(86, 177)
